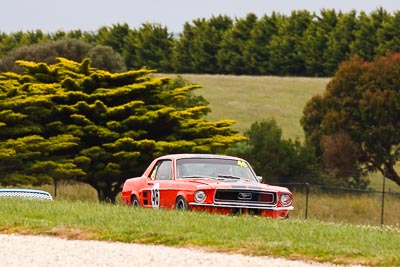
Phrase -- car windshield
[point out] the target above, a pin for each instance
(215, 168)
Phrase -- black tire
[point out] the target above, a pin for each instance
(181, 204)
(135, 201)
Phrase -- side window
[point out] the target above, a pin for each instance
(162, 171)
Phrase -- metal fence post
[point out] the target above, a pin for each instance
(55, 187)
(383, 199)
(307, 192)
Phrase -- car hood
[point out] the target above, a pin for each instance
(234, 184)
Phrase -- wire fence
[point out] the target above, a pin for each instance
(333, 203)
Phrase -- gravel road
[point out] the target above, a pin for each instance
(24, 250)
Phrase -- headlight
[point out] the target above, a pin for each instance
(200, 196)
(286, 199)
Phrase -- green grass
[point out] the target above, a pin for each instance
(338, 208)
(247, 99)
(294, 239)
(71, 191)
(356, 209)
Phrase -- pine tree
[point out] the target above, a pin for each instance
(69, 120)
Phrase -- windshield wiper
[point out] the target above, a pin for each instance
(197, 177)
(229, 176)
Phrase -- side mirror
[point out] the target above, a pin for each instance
(259, 178)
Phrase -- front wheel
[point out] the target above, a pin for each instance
(135, 201)
(181, 204)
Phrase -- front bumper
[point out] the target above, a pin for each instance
(241, 205)
(229, 209)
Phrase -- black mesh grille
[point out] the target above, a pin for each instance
(244, 196)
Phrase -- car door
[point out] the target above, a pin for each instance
(160, 185)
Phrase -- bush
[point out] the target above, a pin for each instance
(103, 57)
(275, 159)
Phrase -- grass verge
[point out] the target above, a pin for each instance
(293, 239)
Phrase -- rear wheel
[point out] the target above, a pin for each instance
(135, 201)
(181, 204)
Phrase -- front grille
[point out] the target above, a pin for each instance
(244, 196)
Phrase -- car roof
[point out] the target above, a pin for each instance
(195, 155)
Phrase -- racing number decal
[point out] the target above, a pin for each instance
(242, 163)
(155, 196)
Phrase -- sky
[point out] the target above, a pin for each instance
(89, 15)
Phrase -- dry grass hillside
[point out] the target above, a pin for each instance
(247, 99)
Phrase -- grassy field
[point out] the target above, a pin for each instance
(247, 99)
(357, 209)
(294, 239)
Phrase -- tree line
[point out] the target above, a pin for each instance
(301, 44)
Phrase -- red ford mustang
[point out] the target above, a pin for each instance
(206, 182)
